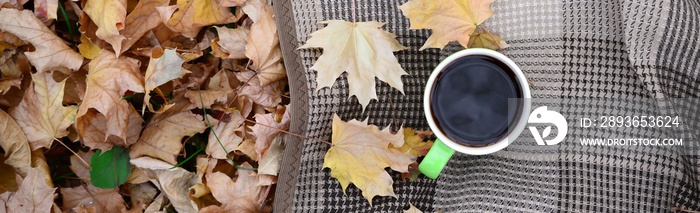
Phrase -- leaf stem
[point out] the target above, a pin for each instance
(353, 11)
(201, 100)
(290, 133)
(493, 38)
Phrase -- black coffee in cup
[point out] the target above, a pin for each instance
(469, 100)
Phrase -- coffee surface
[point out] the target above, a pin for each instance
(469, 100)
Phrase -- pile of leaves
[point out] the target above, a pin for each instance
(126, 105)
(153, 105)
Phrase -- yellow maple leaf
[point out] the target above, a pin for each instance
(485, 40)
(87, 48)
(41, 114)
(449, 20)
(414, 142)
(362, 50)
(361, 152)
(109, 16)
(192, 15)
(51, 51)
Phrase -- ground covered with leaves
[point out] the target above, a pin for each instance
(179, 106)
(151, 105)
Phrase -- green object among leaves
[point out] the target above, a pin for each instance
(111, 168)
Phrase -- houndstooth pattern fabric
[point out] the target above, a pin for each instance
(567, 49)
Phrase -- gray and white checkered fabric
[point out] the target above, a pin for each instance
(567, 49)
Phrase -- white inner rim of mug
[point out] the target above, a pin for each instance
(514, 132)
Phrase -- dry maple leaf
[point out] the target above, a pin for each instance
(109, 16)
(362, 50)
(270, 162)
(267, 96)
(449, 20)
(266, 129)
(229, 134)
(414, 142)
(108, 79)
(45, 9)
(163, 66)
(175, 184)
(253, 8)
(33, 195)
(15, 144)
(87, 48)
(95, 134)
(161, 137)
(192, 15)
(89, 196)
(141, 20)
(41, 114)
(79, 168)
(243, 195)
(361, 152)
(263, 48)
(51, 51)
(230, 44)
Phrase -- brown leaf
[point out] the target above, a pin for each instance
(192, 15)
(360, 154)
(45, 9)
(263, 48)
(34, 195)
(231, 43)
(109, 16)
(95, 133)
(8, 178)
(230, 134)
(270, 162)
(163, 66)
(253, 8)
(264, 134)
(175, 184)
(141, 20)
(267, 96)
(51, 52)
(41, 114)
(109, 78)
(15, 144)
(89, 196)
(162, 138)
(243, 195)
(79, 168)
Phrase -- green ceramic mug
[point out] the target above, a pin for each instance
(445, 146)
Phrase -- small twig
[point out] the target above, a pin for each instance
(493, 38)
(290, 133)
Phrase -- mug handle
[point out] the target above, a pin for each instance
(436, 159)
